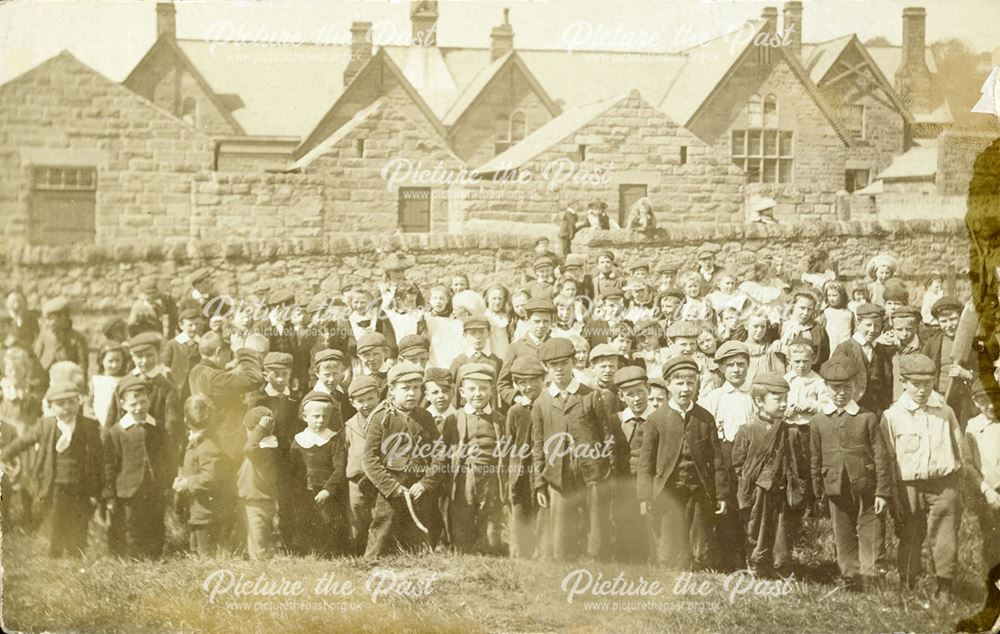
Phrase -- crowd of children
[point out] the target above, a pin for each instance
(678, 415)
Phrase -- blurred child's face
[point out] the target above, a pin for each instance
(882, 273)
(459, 284)
(730, 318)
(365, 402)
(727, 285)
(145, 360)
(905, 331)
(734, 369)
(278, 378)
(517, 303)
(669, 304)
(870, 328)
(891, 305)
(561, 371)
(948, 320)
(405, 302)
(216, 324)
(564, 312)
(568, 289)
(859, 296)
(841, 392)
(802, 310)
(438, 301)
(373, 358)
(640, 274)
(604, 369)
(642, 295)
(832, 296)
(545, 273)
(756, 328)
(706, 342)
(985, 405)
(199, 415)
(542, 247)
(529, 386)
(330, 374)
(800, 361)
(190, 327)
(918, 389)
(419, 357)
(136, 403)
(438, 395)
(359, 302)
(114, 363)
(649, 341)
(613, 306)
(604, 264)
(405, 394)
(685, 345)
(682, 386)
(622, 343)
(65, 408)
(772, 405)
(582, 353)
(476, 392)
(692, 289)
(539, 324)
(657, 397)
(666, 279)
(494, 300)
(315, 413)
(936, 285)
(636, 397)
(477, 338)
(298, 316)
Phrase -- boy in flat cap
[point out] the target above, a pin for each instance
(476, 331)
(874, 384)
(415, 349)
(201, 290)
(606, 276)
(681, 478)
(925, 444)
(373, 358)
(401, 461)
(57, 341)
(528, 534)
(953, 378)
(904, 324)
(982, 436)
(598, 329)
(180, 354)
(66, 470)
(539, 315)
(771, 459)
(604, 362)
(572, 455)
(850, 467)
(707, 267)
(441, 394)
(545, 279)
(364, 394)
(329, 367)
(257, 481)
(476, 479)
(139, 467)
(631, 535)
(573, 267)
(731, 406)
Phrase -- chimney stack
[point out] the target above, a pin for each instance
(792, 28)
(361, 50)
(913, 78)
(770, 15)
(423, 17)
(502, 38)
(166, 20)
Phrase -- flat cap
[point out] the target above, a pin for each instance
(638, 266)
(603, 350)
(666, 267)
(254, 415)
(278, 360)
(612, 291)
(61, 389)
(946, 303)
(279, 297)
(868, 311)
(904, 313)
(772, 382)
(670, 291)
(200, 275)
(477, 372)
(441, 376)
(370, 340)
(328, 354)
(526, 366)
(917, 366)
(144, 341)
(730, 349)
(189, 313)
(574, 259)
(131, 383)
(707, 249)
(541, 262)
(677, 363)
(839, 368)
(682, 328)
(361, 385)
(555, 349)
(539, 305)
(656, 381)
(314, 396)
(648, 327)
(55, 305)
(606, 254)
(630, 375)
(476, 323)
(413, 344)
(405, 371)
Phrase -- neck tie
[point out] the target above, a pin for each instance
(63, 443)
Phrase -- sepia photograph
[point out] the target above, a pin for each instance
(514, 316)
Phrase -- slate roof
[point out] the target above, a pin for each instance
(919, 162)
(363, 115)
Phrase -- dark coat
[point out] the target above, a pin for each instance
(524, 346)
(876, 380)
(211, 481)
(45, 434)
(853, 444)
(124, 464)
(772, 459)
(226, 390)
(403, 468)
(584, 417)
(164, 407)
(661, 451)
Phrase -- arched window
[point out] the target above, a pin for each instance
(770, 111)
(509, 129)
(763, 150)
(755, 118)
(518, 127)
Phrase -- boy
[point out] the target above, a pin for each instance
(905, 323)
(257, 481)
(657, 392)
(57, 341)
(598, 329)
(373, 359)
(407, 480)
(604, 362)
(329, 367)
(573, 267)
(925, 446)
(206, 481)
(545, 279)
(438, 390)
(363, 392)
(850, 466)
(606, 277)
(874, 385)
(806, 389)
(66, 468)
(540, 313)
(631, 533)
(415, 349)
(982, 436)
(771, 461)
(139, 468)
(731, 407)
(576, 417)
(953, 378)
(476, 331)
(681, 477)
(180, 354)
(526, 527)
(477, 483)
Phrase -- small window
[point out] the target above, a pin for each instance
(360, 145)
(63, 205)
(581, 153)
(770, 111)
(684, 155)
(754, 112)
(415, 209)
(856, 179)
(856, 120)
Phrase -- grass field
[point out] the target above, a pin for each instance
(450, 593)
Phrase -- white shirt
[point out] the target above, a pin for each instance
(731, 408)
(445, 414)
(677, 408)
(127, 421)
(65, 431)
(868, 348)
(572, 388)
(308, 438)
(851, 408)
(270, 391)
(629, 417)
(471, 411)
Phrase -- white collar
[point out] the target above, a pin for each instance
(127, 421)
(446, 413)
(858, 337)
(677, 408)
(196, 294)
(812, 376)
(627, 414)
(270, 391)
(470, 352)
(851, 408)
(470, 410)
(159, 370)
(572, 388)
(729, 388)
(195, 436)
(935, 400)
(66, 428)
(979, 423)
(319, 387)
(308, 438)
(182, 338)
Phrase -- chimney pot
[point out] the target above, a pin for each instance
(913, 77)
(502, 38)
(166, 20)
(423, 18)
(770, 15)
(792, 28)
(361, 50)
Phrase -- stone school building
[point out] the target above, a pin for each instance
(207, 139)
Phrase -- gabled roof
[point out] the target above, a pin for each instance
(552, 133)
(171, 47)
(424, 67)
(341, 132)
(917, 163)
(819, 58)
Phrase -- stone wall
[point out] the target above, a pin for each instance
(957, 152)
(802, 203)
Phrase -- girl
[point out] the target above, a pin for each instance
(696, 307)
(440, 300)
(764, 356)
(839, 318)
(726, 295)
(517, 301)
(498, 309)
(880, 268)
(647, 340)
(641, 217)
(668, 303)
(859, 295)
(705, 356)
(934, 292)
(459, 283)
(112, 363)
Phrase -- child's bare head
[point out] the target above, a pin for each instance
(198, 412)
